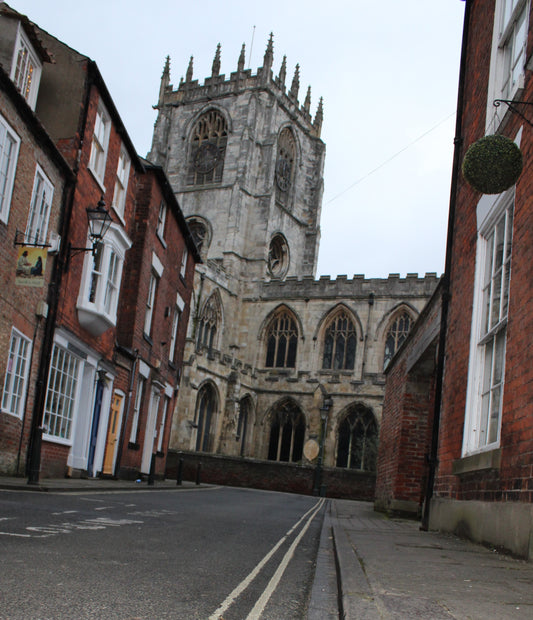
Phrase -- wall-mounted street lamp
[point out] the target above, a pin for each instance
(324, 413)
(99, 220)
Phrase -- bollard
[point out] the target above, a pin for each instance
(151, 475)
(179, 474)
(198, 470)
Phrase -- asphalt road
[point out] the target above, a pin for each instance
(204, 554)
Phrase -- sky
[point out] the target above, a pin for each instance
(387, 70)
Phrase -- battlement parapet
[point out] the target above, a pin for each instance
(358, 286)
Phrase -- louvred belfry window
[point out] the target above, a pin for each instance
(285, 166)
(208, 149)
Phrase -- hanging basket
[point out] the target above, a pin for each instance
(492, 164)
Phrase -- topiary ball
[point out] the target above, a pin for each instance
(492, 164)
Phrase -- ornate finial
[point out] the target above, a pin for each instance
(307, 102)
(215, 70)
(283, 71)
(269, 54)
(188, 75)
(240, 64)
(165, 80)
(166, 69)
(295, 86)
(319, 117)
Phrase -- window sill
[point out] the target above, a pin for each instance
(133, 446)
(482, 461)
(59, 440)
(148, 339)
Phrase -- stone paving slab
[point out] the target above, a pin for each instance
(415, 574)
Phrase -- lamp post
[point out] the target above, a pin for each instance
(324, 412)
(99, 220)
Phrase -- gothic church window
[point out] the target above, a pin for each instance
(208, 324)
(358, 440)
(278, 256)
(205, 414)
(397, 333)
(287, 433)
(339, 343)
(285, 164)
(208, 148)
(200, 233)
(282, 340)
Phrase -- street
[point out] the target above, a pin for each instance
(204, 554)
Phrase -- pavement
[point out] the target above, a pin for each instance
(389, 568)
(81, 485)
(370, 566)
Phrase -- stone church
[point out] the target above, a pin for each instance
(279, 365)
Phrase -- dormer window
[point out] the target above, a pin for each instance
(26, 69)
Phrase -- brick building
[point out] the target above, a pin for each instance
(480, 474)
(86, 371)
(34, 181)
(152, 327)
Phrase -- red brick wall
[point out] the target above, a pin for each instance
(408, 408)
(154, 350)
(18, 304)
(514, 479)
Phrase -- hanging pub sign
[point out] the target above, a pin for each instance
(31, 265)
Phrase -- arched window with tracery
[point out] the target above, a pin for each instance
(200, 233)
(206, 406)
(285, 165)
(287, 433)
(208, 148)
(340, 341)
(278, 256)
(358, 440)
(397, 333)
(209, 323)
(281, 341)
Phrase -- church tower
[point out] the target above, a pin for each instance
(246, 161)
(269, 347)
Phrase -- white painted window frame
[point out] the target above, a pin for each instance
(178, 309)
(16, 377)
(505, 83)
(100, 144)
(161, 221)
(40, 207)
(70, 395)
(26, 68)
(113, 247)
(490, 210)
(9, 151)
(121, 182)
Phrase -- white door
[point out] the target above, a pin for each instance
(149, 435)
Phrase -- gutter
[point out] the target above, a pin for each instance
(458, 144)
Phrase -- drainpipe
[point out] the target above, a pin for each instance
(458, 143)
(33, 458)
